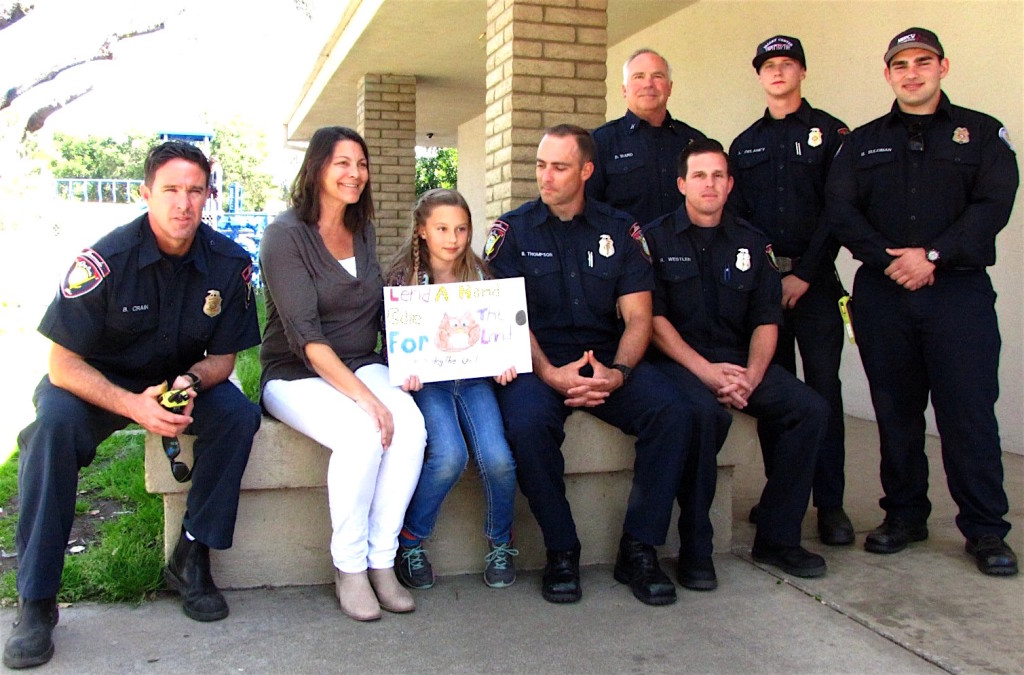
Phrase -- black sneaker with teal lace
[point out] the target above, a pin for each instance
(500, 571)
(413, 568)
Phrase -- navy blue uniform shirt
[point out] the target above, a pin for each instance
(952, 192)
(780, 168)
(140, 317)
(636, 165)
(714, 298)
(574, 271)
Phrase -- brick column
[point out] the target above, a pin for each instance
(386, 119)
(545, 66)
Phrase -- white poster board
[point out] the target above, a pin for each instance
(456, 331)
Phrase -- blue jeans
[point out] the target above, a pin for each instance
(460, 413)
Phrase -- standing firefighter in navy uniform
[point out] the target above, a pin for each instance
(163, 302)
(918, 196)
(635, 164)
(780, 164)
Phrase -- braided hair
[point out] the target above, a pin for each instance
(411, 264)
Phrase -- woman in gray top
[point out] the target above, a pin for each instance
(321, 375)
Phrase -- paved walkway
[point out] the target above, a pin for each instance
(925, 610)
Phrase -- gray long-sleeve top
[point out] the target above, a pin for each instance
(312, 298)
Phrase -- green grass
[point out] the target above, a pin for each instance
(9, 521)
(247, 365)
(123, 562)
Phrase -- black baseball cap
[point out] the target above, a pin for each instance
(780, 45)
(920, 38)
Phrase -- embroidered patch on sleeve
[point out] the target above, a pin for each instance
(86, 273)
(771, 257)
(638, 236)
(1005, 135)
(247, 280)
(494, 239)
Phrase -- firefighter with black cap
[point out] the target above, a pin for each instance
(780, 164)
(918, 196)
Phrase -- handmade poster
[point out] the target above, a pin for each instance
(456, 331)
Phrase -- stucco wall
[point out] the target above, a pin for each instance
(710, 45)
(471, 176)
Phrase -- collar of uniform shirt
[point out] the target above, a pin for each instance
(542, 214)
(945, 108)
(803, 113)
(634, 123)
(681, 221)
(149, 253)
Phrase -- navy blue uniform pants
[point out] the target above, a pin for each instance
(943, 340)
(816, 326)
(792, 417)
(63, 439)
(697, 485)
(645, 407)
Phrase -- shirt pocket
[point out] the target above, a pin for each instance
(679, 282)
(753, 160)
(956, 166)
(601, 281)
(125, 330)
(625, 180)
(196, 332)
(876, 161)
(543, 283)
(806, 158)
(735, 291)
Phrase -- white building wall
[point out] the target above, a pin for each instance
(472, 172)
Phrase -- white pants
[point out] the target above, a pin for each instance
(368, 488)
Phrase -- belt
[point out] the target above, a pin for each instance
(786, 265)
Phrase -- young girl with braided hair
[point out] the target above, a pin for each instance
(460, 415)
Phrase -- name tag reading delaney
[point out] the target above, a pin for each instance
(456, 331)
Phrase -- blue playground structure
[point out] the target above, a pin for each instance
(245, 228)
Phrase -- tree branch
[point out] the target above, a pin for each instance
(15, 92)
(38, 118)
(103, 53)
(117, 37)
(13, 13)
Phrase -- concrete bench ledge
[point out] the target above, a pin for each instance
(283, 530)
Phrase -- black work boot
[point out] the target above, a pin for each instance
(561, 580)
(637, 565)
(188, 573)
(31, 641)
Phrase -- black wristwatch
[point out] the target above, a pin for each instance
(624, 369)
(197, 381)
(933, 255)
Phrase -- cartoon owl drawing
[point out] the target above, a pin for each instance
(457, 334)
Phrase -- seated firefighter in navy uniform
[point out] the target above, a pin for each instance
(160, 302)
(582, 262)
(717, 309)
